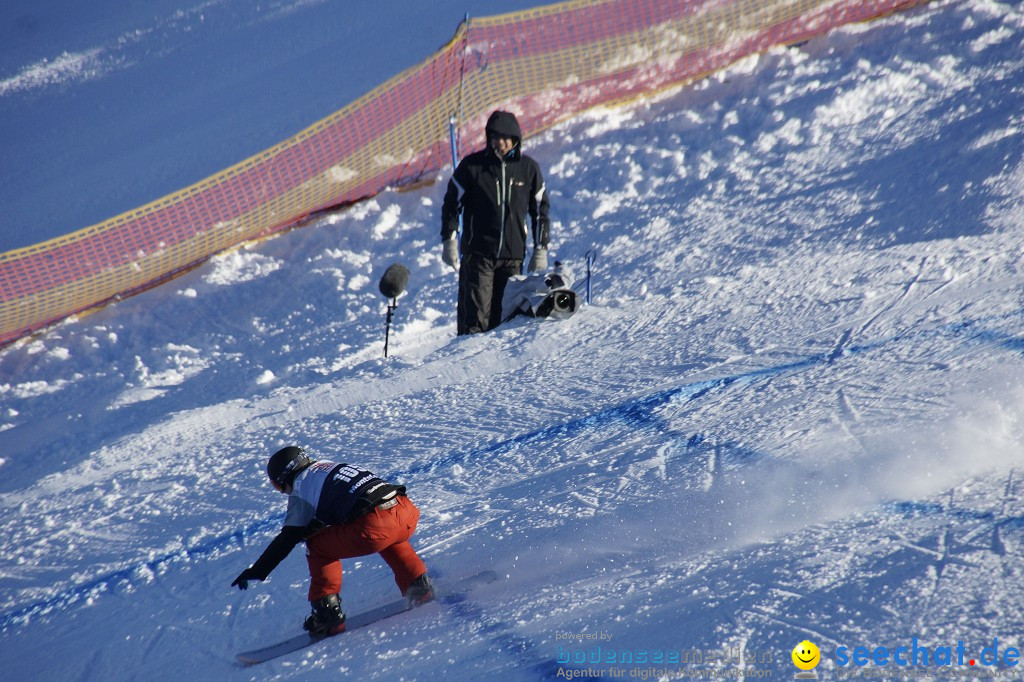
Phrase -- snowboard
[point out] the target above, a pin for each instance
(442, 593)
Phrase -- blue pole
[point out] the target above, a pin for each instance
(452, 119)
(455, 163)
(454, 144)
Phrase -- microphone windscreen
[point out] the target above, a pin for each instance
(393, 282)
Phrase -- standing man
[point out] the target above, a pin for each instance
(493, 189)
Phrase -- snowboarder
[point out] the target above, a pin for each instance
(494, 189)
(341, 512)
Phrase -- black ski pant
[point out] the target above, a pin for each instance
(482, 283)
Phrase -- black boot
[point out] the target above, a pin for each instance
(327, 618)
(420, 591)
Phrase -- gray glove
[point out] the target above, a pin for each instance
(539, 260)
(450, 253)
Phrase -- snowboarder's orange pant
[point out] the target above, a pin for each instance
(381, 531)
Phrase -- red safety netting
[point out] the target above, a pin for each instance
(546, 64)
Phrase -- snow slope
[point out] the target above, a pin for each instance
(793, 411)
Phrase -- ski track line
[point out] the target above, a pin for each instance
(638, 412)
(911, 509)
(818, 635)
(900, 297)
(945, 555)
(107, 583)
(437, 544)
(1006, 492)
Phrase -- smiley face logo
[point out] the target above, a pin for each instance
(806, 655)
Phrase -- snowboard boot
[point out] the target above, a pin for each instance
(327, 618)
(420, 591)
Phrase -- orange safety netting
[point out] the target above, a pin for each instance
(546, 65)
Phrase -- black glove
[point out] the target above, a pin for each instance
(242, 581)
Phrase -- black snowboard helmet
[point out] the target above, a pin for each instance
(285, 464)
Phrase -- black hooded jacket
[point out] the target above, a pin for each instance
(494, 196)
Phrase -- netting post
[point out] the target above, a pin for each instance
(454, 144)
(454, 118)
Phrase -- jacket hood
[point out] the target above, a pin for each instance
(505, 124)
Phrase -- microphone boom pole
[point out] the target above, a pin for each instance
(387, 329)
